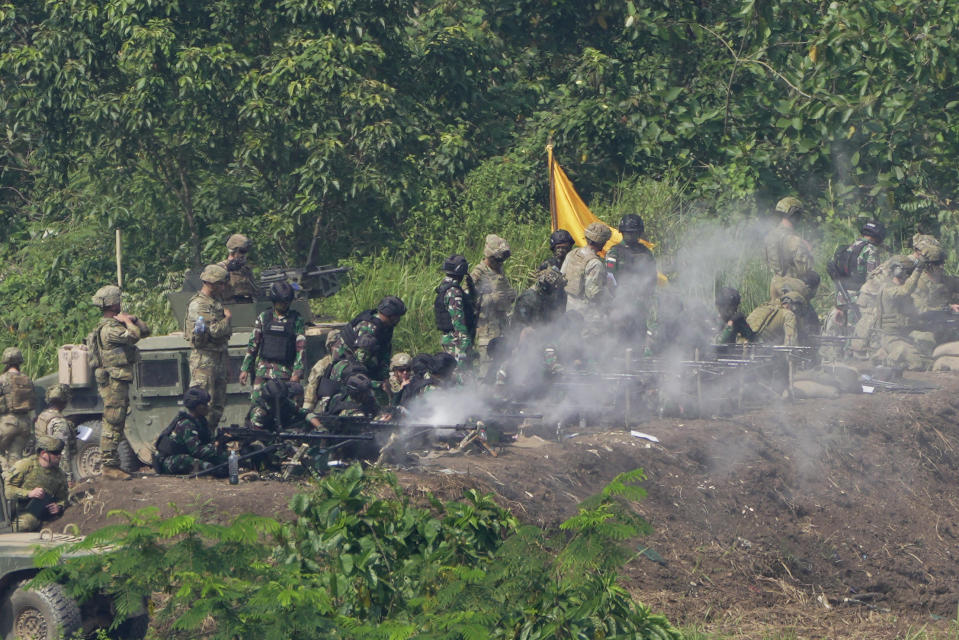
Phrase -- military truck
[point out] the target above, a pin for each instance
(162, 375)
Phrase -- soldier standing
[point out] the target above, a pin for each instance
(494, 295)
(38, 485)
(186, 445)
(277, 343)
(634, 272)
(560, 244)
(207, 328)
(112, 352)
(454, 310)
(17, 402)
(51, 422)
(242, 286)
(586, 278)
(787, 254)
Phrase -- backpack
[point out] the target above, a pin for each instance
(845, 261)
(19, 393)
(93, 349)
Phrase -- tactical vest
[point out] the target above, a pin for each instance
(775, 258)
(122, 356)
(279, 338)
(165, 445)
(382, 333)
(18, 392)
(575, 270)
(40, 426)
(442, 313)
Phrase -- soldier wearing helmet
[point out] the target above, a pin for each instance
(494, 296)
(733, 325)
(112, 352)
(16, 403)
(787, 254)
(560, 244)
(776, 322)
(277, 344)
(51, 422)
(275, 408)
(367, 340)
(585, 274)
(634, 274)
(187, 444)
(38, 485)
(850, 268)
(207, 327)
(454, 309)
(355, 399)
(895, 317)
(241, 286)
(543, 302)
(400, 375)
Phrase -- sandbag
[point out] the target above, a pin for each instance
(946, 363)
(946, 349)
(810, 389)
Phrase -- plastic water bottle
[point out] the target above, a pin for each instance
(233, 462)
(199, 327)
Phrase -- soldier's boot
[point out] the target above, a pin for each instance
(114, 473)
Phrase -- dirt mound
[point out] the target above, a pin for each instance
(831, 518)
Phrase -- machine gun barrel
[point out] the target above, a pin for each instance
(240, 433)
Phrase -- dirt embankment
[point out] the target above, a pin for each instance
(825, 518)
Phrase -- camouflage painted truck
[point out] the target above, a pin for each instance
(161, 376)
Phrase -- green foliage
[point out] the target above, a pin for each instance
(359, 560)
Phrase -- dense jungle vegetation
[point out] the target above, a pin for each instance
(405, 129)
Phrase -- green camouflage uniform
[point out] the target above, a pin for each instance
(774, 324)
(494, 300)
(242, 284)
(843, 317)
(899, 346)
(208, 360)
(118, 355)
(268, 369)
(341, 404)
(263, 416)
(787, 254)
(51, 422)
(458, 342)
(27, 475)
(16, 436)
(193, 436)
(374, 356)
(738, 331)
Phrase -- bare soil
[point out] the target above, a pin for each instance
(829, 518)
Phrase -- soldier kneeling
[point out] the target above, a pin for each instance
(38, 485)
(187, 445)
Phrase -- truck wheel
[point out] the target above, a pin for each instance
(86, 461)
(43, 613)
(128, 458)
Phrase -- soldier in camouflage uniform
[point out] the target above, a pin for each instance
(899, 345)
(585, 274)
(210, 339)
(51, 422)
(634, 276)
(560, 244)
(38, 486)
(421, 379)
(493, 294)
(16, 403)
(113, 353)
(775, 322)
(368, 338)
(543, 302)
(278, 341)
(400, 375)
(275, 408)
(935, 299)
(787, 254)
(187, 445)
(454, 310)
(356, 399)
(242, 285)
(734, 327)
(863, 258)
(318, 373)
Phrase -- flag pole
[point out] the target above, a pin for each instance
(552, 188)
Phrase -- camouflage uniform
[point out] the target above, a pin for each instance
(774, 324)
(262, 415)
(16, 435)
(586, 291)
(458, 342)
(193, 437)
(242, 284)
(736, 329)
(209, 358)
(494, 300)
(51, 422)
(269, 369)
(895, 313)
(543, 302)
(26, 475)
(787, 254)
(118, 354)
(342, 404)
(842, 315)
(373, 344)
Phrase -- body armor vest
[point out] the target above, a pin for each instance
(279, 338)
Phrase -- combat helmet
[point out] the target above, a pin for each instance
(49, 444)
(558, 237)
(550, 280)
(281, 292)
(107, 296)
(400, 360)
(598, 232)
(12, 356)
(456, 266)
(496, 248)
(238, 242)
(632, 223)
(195, 396)
(933, 254)
(728, 297)
(921, 240)
(357, 383)
(214, 273)
(875, 229)
(391, 306)
(58, 393)
(790, 207)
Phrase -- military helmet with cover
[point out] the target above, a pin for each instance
(107, 296)
(921, 240)
(728, 297)
(933, 254)
(550, 280)
(790, 207)
(238, 242)
(391, 306)
(875, 229)
(558, 237)
(456, 266)
(598, 232)
(443, 364)
(12, 356)
(632, 223)
(49, 444)
(496, 248)
(58, 393)
(281, 292)
(400, 360)
(273, 390)
(213, 274)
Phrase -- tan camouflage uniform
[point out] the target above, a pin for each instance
(16, 435)
(774, 324)
(27, 475)
(51, 422)
(787, 255)
(209, 358)
(895, 313)
(494, 296)
(118, 353)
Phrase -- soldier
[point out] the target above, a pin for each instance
(368, 338)
(38, 485)
(936, 291)
(275, 408)
(775, 322)
(278, 341)
(850, 267)
(112, 353)
(318, 373)
(633, 269)
(786, 253)
(895, 314)
(187, 445)
(356, 399)
(51, 422)
(420, 366)
(207, 327)
(494, 296)
(16, 403)
(400, 375)
(242, 285)
(585, 274)
(543, 302)
(442, 367)
(454, 310)
(560, 244)
(806, 285)
(734, 327)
